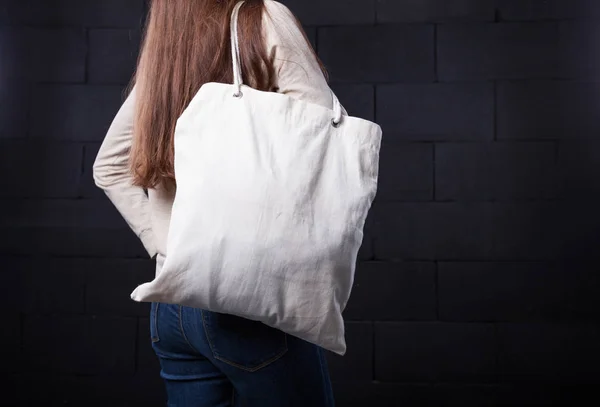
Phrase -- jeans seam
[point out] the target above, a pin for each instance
(183, 332)
(256, 368)
(230, 363)
(324, 375)
(154, 335)
(206, 332)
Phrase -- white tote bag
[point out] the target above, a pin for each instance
(272, 196)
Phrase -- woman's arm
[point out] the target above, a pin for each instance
(297, 70)
(111, 173)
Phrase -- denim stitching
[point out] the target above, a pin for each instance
(324, 375)
(206, 331)
(183, 332)
(247, 369)
(253, 369)
(154, 335)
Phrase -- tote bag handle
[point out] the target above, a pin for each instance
(237, 66)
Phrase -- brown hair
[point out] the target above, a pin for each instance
(187, 44)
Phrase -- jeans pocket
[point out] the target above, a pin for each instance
(154, 322)
(243, 343)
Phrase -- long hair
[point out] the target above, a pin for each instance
(186, 44)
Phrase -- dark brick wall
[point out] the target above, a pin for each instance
(478, 283)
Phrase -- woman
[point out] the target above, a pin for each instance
(209, 359)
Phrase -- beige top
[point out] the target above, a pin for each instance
(298, 75)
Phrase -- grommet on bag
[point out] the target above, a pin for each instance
(337, 111)
(238, 94)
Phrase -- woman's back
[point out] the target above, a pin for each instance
(207, 358)
(297, 73)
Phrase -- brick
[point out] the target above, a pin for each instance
(527, 10)
(87, 187)
(358, 100)
(471, 395)
(14, 108)
(383, 394)
(16, 54)
(11, 386)
(496, 171)
(528, 231)
(10, 339)
(42, 170)
(434, 351)
(366, 249)
(372, 53)
(76, 241)
(405, 172)
(113, 55)
(80, 345)
(139, 391)
(104, 13)
(47, 286)
(72, 286)
(4, 13)
(109, 284)
(549, 393)
(510, 291)
(558, 352)
(357, 364)
(578, 163)
(410, 11)
(12, 300)
(91, 391)
(311, 33)
(578, 45)
(498, 51)
(49, 54)
(548, 110)
(393, 291)
(428, 231)
(333, 12)
(59, 55)
(480, 231)
(74, 112)
(579, 229)
(436, 112)
(63, 213)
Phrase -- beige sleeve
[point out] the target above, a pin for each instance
(297, 70)
(111, 174)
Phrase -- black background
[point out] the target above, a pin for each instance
(478, 281)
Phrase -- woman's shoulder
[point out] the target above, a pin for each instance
(279, 12)
(273, 6)
(280, 25)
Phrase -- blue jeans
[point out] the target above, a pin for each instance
(217, 360)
